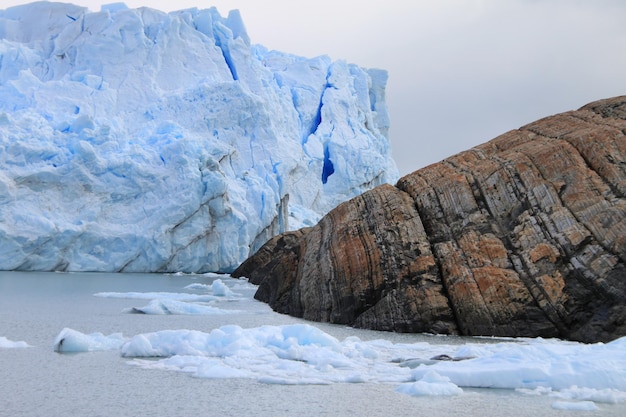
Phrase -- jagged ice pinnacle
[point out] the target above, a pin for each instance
(135, 140)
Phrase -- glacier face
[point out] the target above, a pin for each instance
(134, 140)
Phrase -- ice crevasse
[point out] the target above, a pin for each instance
(134, 140)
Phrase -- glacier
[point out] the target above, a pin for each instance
(133, 140)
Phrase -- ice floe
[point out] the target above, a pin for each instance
(10, 344)
(165, 306)
(70, 340)
(573, 373)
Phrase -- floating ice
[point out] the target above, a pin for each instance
(222, 285)
(295, 342)
(134, 140)
(575, 406)
(537, 363)
(303, 354)
(609, 396)
(185, 303)
(199, 287)
(70, 340)
(9, 344)
(220, 289)
(431, 384)
(179, 307)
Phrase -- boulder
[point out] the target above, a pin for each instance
(524, 235)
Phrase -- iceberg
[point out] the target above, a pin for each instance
(133, 140)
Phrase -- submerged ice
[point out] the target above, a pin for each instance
(135, 140)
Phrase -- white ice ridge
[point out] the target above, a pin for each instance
(304, 354)
(168, 303)
(135, 140)
(10, 344)
(169, 307)
(70, 340)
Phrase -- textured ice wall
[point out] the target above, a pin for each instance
(135, 140)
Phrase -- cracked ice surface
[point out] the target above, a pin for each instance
(135, 140)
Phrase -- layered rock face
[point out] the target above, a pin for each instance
(524, 235)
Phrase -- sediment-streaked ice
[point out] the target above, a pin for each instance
(166, 306)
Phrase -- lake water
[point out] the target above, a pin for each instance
(36, 381)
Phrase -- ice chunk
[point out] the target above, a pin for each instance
(9, 344)
(216, 370)
(536, 363)
(179, 307)
(220, 289)
(576, 406)
(608, 395)
(431, 384)
(69, 340)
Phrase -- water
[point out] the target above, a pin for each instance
(36, 381)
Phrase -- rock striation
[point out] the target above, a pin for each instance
(524, 235)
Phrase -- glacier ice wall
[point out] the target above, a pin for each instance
(135, 140)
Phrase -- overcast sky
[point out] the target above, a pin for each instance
(460, 71)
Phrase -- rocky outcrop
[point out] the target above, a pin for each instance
(524, 235)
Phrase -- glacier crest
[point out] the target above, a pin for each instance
(136, 140)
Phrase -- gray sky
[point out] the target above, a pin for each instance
(461, 71)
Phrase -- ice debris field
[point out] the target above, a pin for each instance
(576, 375)
(133, 140)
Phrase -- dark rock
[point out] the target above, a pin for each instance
(262, 262)
(524, 235)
